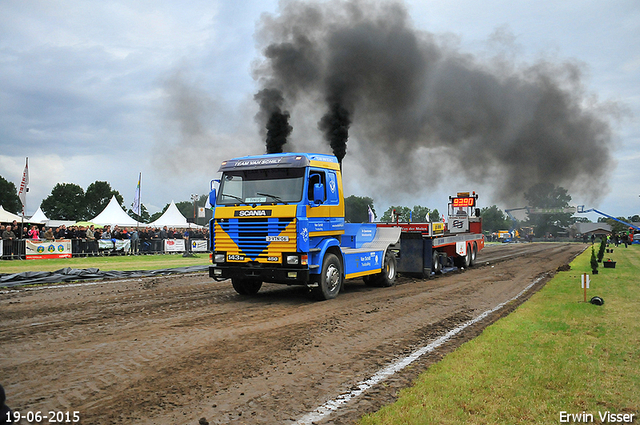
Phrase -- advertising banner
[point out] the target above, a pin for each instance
(37, 250)
(114, 244)
(199, 245)
(174, 245)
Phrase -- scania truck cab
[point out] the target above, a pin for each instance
(279, 218)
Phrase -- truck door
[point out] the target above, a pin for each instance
(325, 218)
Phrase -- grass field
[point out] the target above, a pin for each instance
(553, 354)
(126, 262)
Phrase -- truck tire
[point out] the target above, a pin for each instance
(330, 279)
(246, 286)
(463, 261)
(436, 266)
(387, 276)
(369, 280)
(474, 254)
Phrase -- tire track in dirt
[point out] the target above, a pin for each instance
(171, 350)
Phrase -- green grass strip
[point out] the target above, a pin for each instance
(124, 262)
(554, 354)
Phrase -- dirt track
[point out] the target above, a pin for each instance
(175, 349)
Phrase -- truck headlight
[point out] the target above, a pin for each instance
(293, 260)
(219, 257)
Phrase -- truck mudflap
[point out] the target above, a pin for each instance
(289, 275)
(369, 257)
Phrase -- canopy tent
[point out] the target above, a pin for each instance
(39, 217)
(7, 217)
(172, 217)
(114, 214)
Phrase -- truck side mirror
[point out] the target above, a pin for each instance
(318, 193)
(212, 197)
(212, 193)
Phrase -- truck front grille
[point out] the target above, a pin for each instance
(250, 235)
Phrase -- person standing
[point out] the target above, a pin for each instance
(9, 239)
(135, 241)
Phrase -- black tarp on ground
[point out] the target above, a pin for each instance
(72, 275)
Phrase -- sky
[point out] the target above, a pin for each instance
(106, 90)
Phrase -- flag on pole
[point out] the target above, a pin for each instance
(22, 194)
(136, 198)
(371, 215)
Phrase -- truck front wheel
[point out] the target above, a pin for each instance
(246, 286)
(330, 279)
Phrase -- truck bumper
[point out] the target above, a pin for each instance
(289, 276)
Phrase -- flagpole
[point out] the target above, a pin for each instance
(23, 198)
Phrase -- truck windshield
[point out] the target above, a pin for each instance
(279, 185)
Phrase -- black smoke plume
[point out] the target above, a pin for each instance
(277, 126)
(409, 100)
(335, 126)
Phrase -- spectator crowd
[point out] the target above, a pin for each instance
(91, 240)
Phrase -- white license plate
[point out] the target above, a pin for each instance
(277, 238)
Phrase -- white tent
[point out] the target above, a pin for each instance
(114, 214)
(172, 217)
(7, 217)
(39, 217)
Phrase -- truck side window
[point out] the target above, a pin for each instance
(316, 177)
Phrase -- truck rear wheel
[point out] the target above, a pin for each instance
(330, 279)
(474, 254)
(436, 266)
(387, 276)
(246, 286)
(463, 261)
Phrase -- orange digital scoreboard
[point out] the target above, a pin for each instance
(464, 202)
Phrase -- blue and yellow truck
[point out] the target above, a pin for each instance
(280, 218)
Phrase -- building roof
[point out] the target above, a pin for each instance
(583, 228)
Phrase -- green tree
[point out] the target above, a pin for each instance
(97, 197)
(494, 219)
(603, 247)
(9, 196)
(187, 209)
(420, 214)
(66, 202)
(356, 209)
(547, 195)
(594, 261)
(402, 212)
